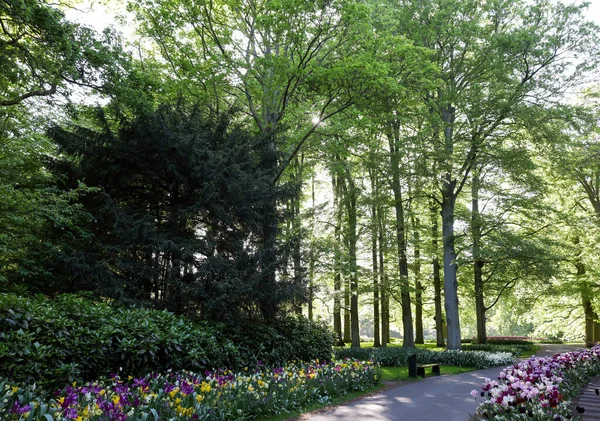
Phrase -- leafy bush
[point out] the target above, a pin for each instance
(69, 338)
(516, 350)
(396, 357)
(282, 340)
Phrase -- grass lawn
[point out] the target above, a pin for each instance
(530, 352)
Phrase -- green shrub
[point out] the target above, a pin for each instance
(509, 342)
(282, 340)
(516, 350)
(54, 342)
(549, 341)
(397, 357)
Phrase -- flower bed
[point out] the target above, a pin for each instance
(188, 396)
(539, 388)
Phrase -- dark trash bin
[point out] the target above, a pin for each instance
(412, 365)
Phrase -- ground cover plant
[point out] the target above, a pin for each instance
(396, 357)
(539, 388)
(214, 395)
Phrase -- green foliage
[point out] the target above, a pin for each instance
(396, 357)
(281, 340)
(509, 342)
(178, 217)
(70, 338)
(41, 52)
(516, 350)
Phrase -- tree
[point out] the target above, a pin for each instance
(177, 213)
(496, 60)
(277, 54)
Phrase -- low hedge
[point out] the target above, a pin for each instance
(55, 341)
(516, 350)
(397, 357)
(509, 342)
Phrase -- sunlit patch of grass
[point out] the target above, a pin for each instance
(530, 352)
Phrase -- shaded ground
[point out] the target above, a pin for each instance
(433, 399)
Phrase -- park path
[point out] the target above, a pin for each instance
(437, 398)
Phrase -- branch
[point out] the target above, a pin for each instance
(40, 92)
(287, 161)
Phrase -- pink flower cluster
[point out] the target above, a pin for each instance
(532, 388)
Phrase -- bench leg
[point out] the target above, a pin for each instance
(421, 371)
(435, 369)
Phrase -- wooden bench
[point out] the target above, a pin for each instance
(435, 369)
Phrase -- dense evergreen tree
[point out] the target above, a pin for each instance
(177, 213)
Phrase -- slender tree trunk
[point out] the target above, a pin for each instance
(374, 223)
(394, 141)
(588, 309)
(267, 284)
(347, 328)
(311, 257)
(419, 337)
(448, 208)
(337, 265)
(437, 284)
(299, 274)
(480, 309)
(352, 239)
(385, 299)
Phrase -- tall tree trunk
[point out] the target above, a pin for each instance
(374, 223)
(588, 309)
(352, 238)
(437, 284)
(347, 327)
(480, 309)
(419, 337)
(337, 264)
(296, 234)
(448, 208)
(267, 284)
(311, 256)
(384, 296)
(394, 142)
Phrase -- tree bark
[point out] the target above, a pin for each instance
(480, 308)
(448, 207)
(268, 280)
(352, 238)
(394, 142)
(337, 265)
(419, 337)
(437, 284)
(311, 258)
(450, 269)
(374, 257)
(385, 299)
(347, 318)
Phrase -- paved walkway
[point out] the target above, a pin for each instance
(433, 399)
(590, 401)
